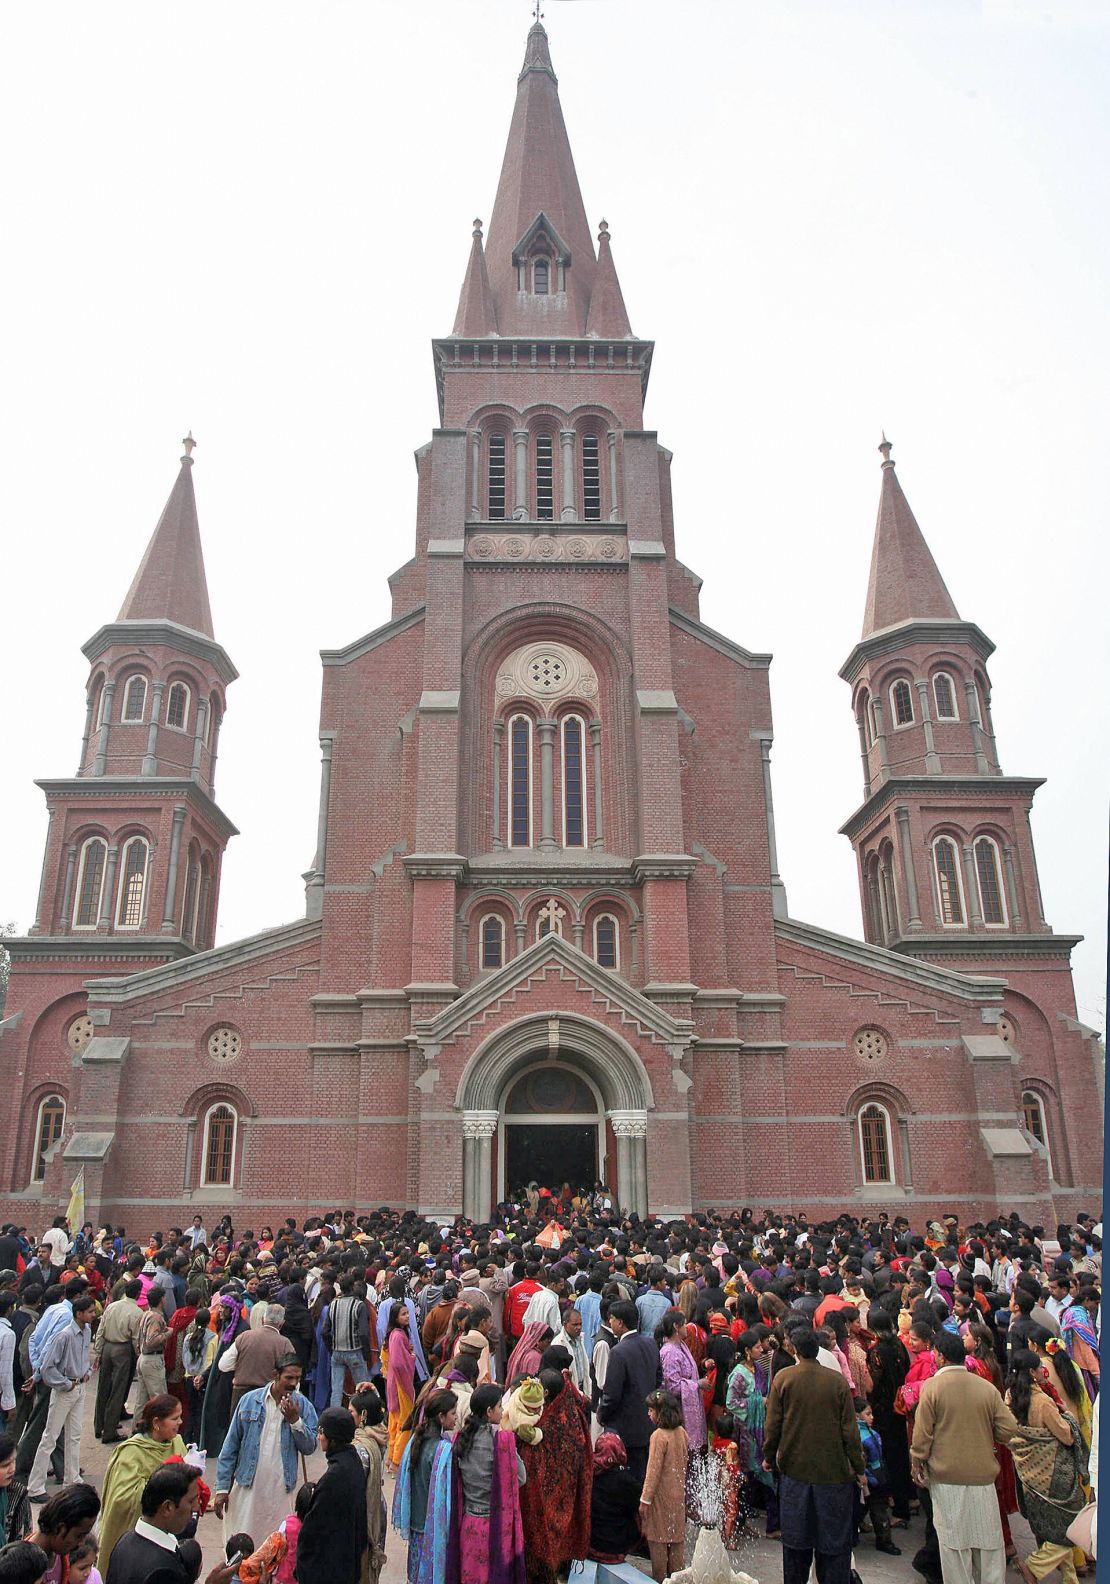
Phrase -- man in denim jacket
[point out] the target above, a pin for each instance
(256, 1472)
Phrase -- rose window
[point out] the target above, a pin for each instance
(79, 1033)
(224, 1044)
(871, 1044)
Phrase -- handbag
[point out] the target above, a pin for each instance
(1081, 1530)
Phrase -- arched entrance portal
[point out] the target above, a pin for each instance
(561, 1093)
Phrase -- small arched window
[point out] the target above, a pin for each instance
(134, 699)
(1033, 1119)
(992, 899)
(574, 781)
(520, 781)
(495, 476)
(177, 707)
(591, 478)
(90, 883)
(96, 704)
(946, 864)
(606, 941)
(51, 1123)
(887, 896)
(541, 277)
(864, 718)
(876, 1154)
(492, 934)
(192, 890)
(545, 478)
(901, 704)
(219, 1145)
(944, 695)
(132, 884)
(204, 906)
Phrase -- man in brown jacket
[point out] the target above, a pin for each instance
(812, 1439)
(253, 1355)
(959, 1418)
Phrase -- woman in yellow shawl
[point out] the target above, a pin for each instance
(131, 1465)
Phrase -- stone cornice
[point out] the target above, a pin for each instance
(529, 355)
(202, 965)
(435, 866)
(877, 959)
(938, 631)
(716, 640)
(662, 866)
(100, 789)
(88, 949)
(566, 866)
(980, 944)
(977, 789)
(169, 634)
(372, 640)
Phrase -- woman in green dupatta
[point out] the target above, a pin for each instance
(1051, 1461)
(131, 1465)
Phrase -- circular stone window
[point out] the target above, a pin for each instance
(871, 1044)
(546, 672)
(224, 1044)
(1005, 1031)
(79, 1032)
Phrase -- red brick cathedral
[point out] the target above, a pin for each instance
(545, 934)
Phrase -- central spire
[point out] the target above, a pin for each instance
(538, 214)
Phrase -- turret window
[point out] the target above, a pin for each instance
(132, 885)
(545, 478)
(177, 707)
(495, 477)
(591, 479)
(992, 902)
(574, 782)
(492, 933)
(192, 888)
(944, 695)
(606, 941)
(134, 699)
(901, 704)
(946, 864)
(520, 781)
(90, 884)
(541, 277)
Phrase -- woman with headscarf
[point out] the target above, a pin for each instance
(133, 1462)
(180, 1321)
(525, 1357)
(399, 1362)
(321, 1353)
(487, 1539)
(297, 1326)
(422, 1498)
(216, 1413)
(1051, 1462)
(681, 1376)
(614, 1502)
(555, 1500)
(747, 1405)
(1077, 1324)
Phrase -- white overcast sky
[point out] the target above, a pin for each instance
(832, 216)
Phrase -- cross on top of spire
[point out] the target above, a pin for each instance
(536, 12)
(189, 443)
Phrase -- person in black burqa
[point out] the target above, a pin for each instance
(333, 1536)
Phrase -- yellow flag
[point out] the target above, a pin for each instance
(76, 1212)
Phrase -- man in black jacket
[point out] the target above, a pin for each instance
(333, 1535)
(633, 1371)
(148, 1553)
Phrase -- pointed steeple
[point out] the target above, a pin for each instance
(608, 315)
(905, 582)
(476, 315)
(170, 584)
(539, 183)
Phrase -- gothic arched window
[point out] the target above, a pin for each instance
(946, 865)
(887, 897)
(520, 781)
(134, 699)
(51, 1122)
(492, 935)
(219, 1145)
(541, 277)
(132, 884)
(90, 883)
(177, 707)
(901, 704)
(574, 781)
(992, 901)
(876, 1154)
(944, 695)
(496, 476)
(606, 941)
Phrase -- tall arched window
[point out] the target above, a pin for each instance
(541, 277)
(901, 704)
(863, 716)
(492, 934)
(90, 883)
(219, 1145)
(574, 781)
(992, 900)
(944, 695)
(132, 884)
(1033, 1119)
(545, 478)
(520, 781)
(134, 699)
(51, 1122)
(876, 1154)
(192, 889)
(495, 476)
(591, 478)
(606, 941)
(177, 707)
(946, 864)
(204, 905)
(887, 897)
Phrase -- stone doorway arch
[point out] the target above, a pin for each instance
(608, 1063)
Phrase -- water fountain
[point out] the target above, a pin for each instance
(710, 1563)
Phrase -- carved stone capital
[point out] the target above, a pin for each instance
(629, 1124)
(479, 1124)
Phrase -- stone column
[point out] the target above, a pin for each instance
(972, 694)
(1011, 886)
(876, 919)
(630, 1130)
(614, 505)
(314, 890)
(864, 756)
(107, 699)
(520, 473)
(519, 927)
(577, 931)
(569, 512)
(198, 738)
(169, 909)
(971, 886)
(498, 737)
(150, 759)
(902, 815)
(478, 1130)
(475, 474)
(67, 889)
(41, 904)
(86, 734)
(215, 734)
(108, 895)
(880, 736)
(547, 729)
(932, 758)
(599, 814)
(778, 890)
(988, 727)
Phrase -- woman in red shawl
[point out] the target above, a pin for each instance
(525, 1357)
(180, 1321)
(555, 1499)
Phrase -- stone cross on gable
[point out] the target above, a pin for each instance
(554, 915)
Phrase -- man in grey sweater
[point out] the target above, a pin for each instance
(65, 1369)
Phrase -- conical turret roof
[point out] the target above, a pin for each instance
(170, 584)
(476, 315)
(905, 582)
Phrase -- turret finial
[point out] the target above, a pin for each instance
(189, 444)
(603, 231)
(885, 448)
(536, 12)
(477, 232)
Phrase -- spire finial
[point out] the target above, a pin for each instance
(189, 444)
(603, 231)
(537, 13)
(477, 233)
(885, 448)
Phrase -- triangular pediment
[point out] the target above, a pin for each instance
(611, 994)
(526, 246)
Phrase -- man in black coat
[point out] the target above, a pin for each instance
(148, 1553)
(333, 1536)
(633, 1371)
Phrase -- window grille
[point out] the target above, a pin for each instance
(901, 701)
(946, 863)
(574, 814)
(493, 941)
(545, 478)
(605, 941)
(132, 885)
(134, 699)
(90, 884)
(990, 887)
(875, 1144)
(520, 781)
(495, 476)
(591, 479)
(177, 706)
(944, 695)
(541, 277)
(52, 1119)
(220, 1145)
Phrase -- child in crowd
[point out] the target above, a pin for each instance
(877, 1504)
(663, 1502)
(239, 1545)
(727, 1454)
(275, 1561)
(193, 1557)
(82, 1563)
(23, 1563)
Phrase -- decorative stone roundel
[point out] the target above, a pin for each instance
(546, 671)
(1005, 1031)
(224, 1044)
(79, 1033)
(871, 1044)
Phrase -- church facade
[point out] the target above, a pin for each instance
(545, 934)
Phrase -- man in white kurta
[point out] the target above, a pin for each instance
(269, 1430)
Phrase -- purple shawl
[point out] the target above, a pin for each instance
(506, 1532)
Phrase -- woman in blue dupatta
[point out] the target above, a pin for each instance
(1080, 1337)
(745, 1402)
(422, 1499)
(321, 1353)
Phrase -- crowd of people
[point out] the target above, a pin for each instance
(565, 1382)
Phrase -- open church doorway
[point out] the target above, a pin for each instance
(552, 1131)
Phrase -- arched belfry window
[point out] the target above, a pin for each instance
(496, 475)
(992, 901)
(944, 696)
(177, 707)
(541, 277)
(946, 867)
(491, 933)
(574, 781)
(90, 883)
(192, 892)
(50, 1125)
(132, 884)
(606, 941)
(901, 704)
(876, 1152)
(520, 781)
(545, 476)
(134, 699)
(591, 478)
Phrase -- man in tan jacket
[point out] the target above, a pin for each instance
(959, 1418)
